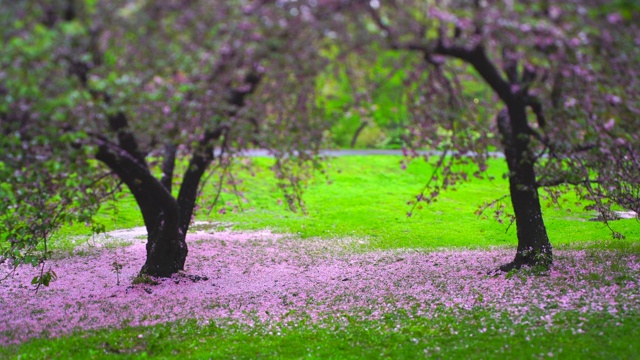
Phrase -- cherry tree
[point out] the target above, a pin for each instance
(555, 85)
(142, 86)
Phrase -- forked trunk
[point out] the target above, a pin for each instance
(534, 247)
(166, 245)
(166, 218)
(166, 250)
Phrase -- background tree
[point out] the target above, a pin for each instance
(564, 86)
(139, 86)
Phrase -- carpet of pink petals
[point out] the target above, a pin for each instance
(260, 276)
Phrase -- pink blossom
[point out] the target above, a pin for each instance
(614, 18)
(555, 12)
(442, 15)
(609, 124)
(613, 99)
(569, 103)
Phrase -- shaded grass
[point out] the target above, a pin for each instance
(480, 334)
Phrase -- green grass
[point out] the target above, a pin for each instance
(479, 334)
(368, 198)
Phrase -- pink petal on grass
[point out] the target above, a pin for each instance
(268, 277)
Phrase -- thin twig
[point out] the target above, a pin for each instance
(482, 209)
(433, 174)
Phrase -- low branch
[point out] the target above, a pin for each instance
(583, 148)
(356, 134)
(237, 96)
(487, 205)
(478, 58)
(152, 197)
(559, 182)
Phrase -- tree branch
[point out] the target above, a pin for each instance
(560, 181)
(202, 157)
(237, 96)
(476, 56)
(152, 197)
(536, 107)
(168, 165)
(203, 153)
(119, 124)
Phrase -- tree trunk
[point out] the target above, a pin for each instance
(356, 134)
(166, 247)
(166, 218)
(166, 239)
(534, 247)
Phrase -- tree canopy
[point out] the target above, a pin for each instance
(554, 85)
(140, 86)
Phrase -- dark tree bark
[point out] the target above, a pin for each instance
(534, 247)
(168, 165)
(166, 217)
(202, 157)
(166, 246)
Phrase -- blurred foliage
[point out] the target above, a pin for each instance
(319, 74)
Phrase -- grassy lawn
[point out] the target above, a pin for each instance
(367, 200)
(480, 335)
(366, 197)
